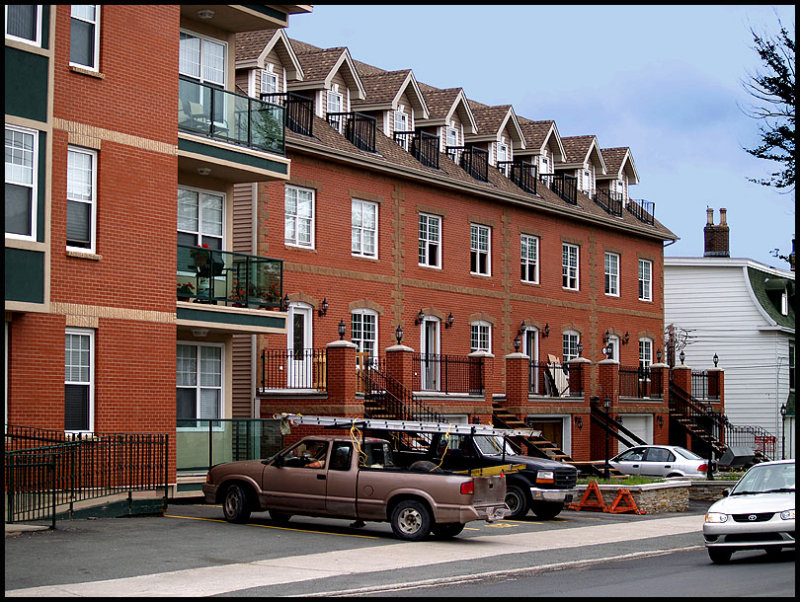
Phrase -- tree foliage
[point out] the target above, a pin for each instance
(773, 89)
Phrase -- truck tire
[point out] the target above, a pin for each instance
(424, 466)
(235, 505)
(547, 510)
(517, 501)
(445, 530)
(411, 520)
(719, 555)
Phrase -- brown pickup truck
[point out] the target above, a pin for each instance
(343, 477)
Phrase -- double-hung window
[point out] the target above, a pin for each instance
(199, 382)
(529, 251)
(200, 218)
(364, 230)
(79, 380)
(480, 241)
(84, 36)
(269, 82)
(335, 104)
(21, 180)
(480, 336)
(299, 217)
(645, 353)
(364, 333)
(612, 274)
(430, 240)
(645, 280)
(569, 266)
(451, 136)
(570, 341)
(81, 198)
(401, 125)
(202, 58)
(24, 23)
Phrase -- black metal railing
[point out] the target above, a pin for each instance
(46, 469)
(294, 369)
(644, 211)
(640, 382)
(392, 399)
(202, 443)
(554, 380)
(473, 160)
(703, 387)
(422, 145)
(298, 111)
(565, 186)
(230, 117)
(610, 201)
(358, 128)
(223, 277)
(448, 373)
(522, 173)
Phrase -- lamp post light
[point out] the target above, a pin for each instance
(342, 329)
(710, 471)
(398, 334)
(607, 406)
(783, 431)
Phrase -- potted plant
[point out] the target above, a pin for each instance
(185, 290)
(238, 294)
(203, 257)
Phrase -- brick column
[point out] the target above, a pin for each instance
(659, 376)
(581, 416)
(487, 376)
(608, 381)
(399, 365)
(517, 375)
(716, 387)
(341, 366)
(682, 377)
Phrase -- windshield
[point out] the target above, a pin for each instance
(766, 478)
(492, 445)
(686, 453)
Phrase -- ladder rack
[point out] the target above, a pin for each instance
(380, 424)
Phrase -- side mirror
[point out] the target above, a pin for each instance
(726, 492)
(276, 461)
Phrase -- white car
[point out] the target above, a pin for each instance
(758, 513)
(660, 461)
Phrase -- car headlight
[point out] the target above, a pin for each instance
(716, 517)
(788, 514)
(544, 476)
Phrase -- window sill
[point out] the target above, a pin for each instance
(83, 255)
(85, 71)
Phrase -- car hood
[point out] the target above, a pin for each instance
(538, 463)
(757, 502)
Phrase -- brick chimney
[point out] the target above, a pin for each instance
(716, 237)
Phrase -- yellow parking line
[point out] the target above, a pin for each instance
(217, 520)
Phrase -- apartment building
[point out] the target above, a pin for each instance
(125, 136)
(418, 219)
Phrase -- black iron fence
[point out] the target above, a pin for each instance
(563, 185)
(358, 128)
(554, 380)
(644, 211)
(522, 173)
(422, 145)
(294, 369)
(298, 111)
(46, 469)
(448, 373)
(611, 202)
(473, 160)
(703, 387)
(640, 382)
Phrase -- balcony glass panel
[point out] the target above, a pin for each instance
(210, 111)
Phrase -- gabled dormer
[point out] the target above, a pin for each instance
(543, 147)
(612, 187)
(498, 133)
(584, 162)
(449, 117)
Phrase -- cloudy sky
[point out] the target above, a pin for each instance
(665, 81)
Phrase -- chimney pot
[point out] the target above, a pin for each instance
(722, 212)
(709, 216)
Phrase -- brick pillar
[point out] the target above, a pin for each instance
(486, 374)
(581, 417)
(608, 381)
(716, 387)
(341, 366)
(659, 376)
(682, 377)
(517, 370)
(399, 365)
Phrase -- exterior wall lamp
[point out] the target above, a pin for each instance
(450, 320)
(715, 359)
(578, 422)
(323, 311)
(626, 338)
(522, 327)
(398, 334)
(419, 318)
(342, 329)
(517, 343)
(660, 421)
(285, 303)
(546, 332)
(682, 356)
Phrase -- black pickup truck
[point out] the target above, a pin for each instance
(543, 486)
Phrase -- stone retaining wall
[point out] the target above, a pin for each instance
(652, 498)
(708, 491)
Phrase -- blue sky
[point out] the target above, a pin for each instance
(665, 81)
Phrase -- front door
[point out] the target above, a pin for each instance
(299, 362)
(530, 347)
(429, 364)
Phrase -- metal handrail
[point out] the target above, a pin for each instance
(298, 110)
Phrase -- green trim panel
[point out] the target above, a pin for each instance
(218, 317)
(215, 152)
(26, 84)
(269, 11)
(24, 279)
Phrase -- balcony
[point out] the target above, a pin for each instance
(358, 128)
(298, 111)
(229, 135)
(522, 173)
(644, 211)
(610, 201)
(473, 160)
(563, 185)
(422, 145)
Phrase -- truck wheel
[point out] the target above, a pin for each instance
(517, 501)
(424, 466)
(411, 520)
(546, 510)
(235, 506)
(447, 529)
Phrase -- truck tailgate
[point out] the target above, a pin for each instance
(489, 490)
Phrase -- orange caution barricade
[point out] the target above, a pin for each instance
(624, 502)
(587, 503)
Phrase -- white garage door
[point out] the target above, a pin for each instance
(641, 425)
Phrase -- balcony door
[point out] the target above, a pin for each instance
(299, 358)
(530, 347)
(430, 359)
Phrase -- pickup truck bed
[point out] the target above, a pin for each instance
(341, 477)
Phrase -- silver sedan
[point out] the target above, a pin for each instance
(660, 461)
(758, 513)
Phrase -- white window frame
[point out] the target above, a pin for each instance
(88, 382)
(199, 385)
(268, 75)
(364, 340)
(203, 74)
(200, 232)
(451, 136)
(645, 352)
(480, 336)
(570, 266)
(430, 246)
(91, 201)
(612, 346)
(16, 175)
(293, 218)
(95, 66)
(480, 247)
(611, 265)
(37, 17)
(529, 260)
(645, 280)
(569, 345)
(362, 232)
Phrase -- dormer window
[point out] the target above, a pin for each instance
(401, 125)
(335, 105)
(784, 303)
(502, 152)
(269, 81)
(451, 136)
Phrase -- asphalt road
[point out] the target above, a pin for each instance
(191, 550)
